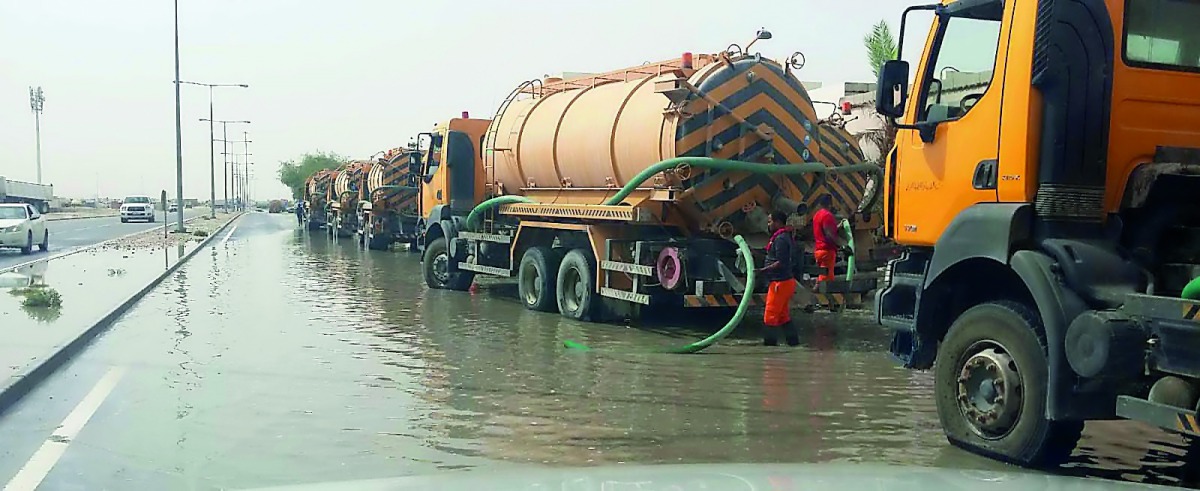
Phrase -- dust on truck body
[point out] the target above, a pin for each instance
(1050, 220)
(569, 145)
(315, 198)
(389, 211)
(348, 189)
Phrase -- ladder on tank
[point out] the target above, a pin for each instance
(489, 146)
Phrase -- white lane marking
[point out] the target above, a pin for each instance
(228, 235)
(35, 470)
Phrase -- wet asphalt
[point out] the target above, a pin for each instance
(66, 235)
(277, 357)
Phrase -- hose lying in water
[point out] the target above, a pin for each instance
(743, 248)
(743, 306)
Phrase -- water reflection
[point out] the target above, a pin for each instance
(492, 380)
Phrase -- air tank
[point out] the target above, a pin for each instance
(391, 184)
(598, 132)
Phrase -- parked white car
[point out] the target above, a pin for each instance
(21, 226)
(137, 208)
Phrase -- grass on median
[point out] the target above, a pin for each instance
(38, 296)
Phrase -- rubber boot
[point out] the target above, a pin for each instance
(770, 336)
(790, 335)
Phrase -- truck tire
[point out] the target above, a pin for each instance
(435, 264)
(574, 287)
(45, 245)
(992, 365)
(27, 249)
(537, 279)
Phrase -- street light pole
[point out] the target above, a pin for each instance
(178, 133)
(37, 101)
(212, 158)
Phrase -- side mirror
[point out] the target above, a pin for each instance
(891, 93)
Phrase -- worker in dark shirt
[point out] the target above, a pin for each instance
(300, 213)
(781, 251)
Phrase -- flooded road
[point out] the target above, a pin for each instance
(283, 358)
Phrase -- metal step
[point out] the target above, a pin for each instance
(899, 322)
(908, 279)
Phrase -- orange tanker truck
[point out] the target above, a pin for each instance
(601, 234)
(389, 211)
(346, 192)
(315, 198)
(1051, 271)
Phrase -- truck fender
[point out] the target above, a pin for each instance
(1058, 306)
(985, 230)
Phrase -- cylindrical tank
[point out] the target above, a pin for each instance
(388, 178)
(316, 188)
(348, 184)
(598, 132)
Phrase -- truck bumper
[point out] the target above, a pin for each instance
(137, 215)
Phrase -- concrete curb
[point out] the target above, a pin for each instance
(21, 383)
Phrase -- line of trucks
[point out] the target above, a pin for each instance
(1048, 223)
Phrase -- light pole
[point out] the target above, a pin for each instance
(37, 102)
(224, 152)
(212, 158)
(178, 133)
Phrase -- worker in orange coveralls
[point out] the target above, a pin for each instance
(781, 251)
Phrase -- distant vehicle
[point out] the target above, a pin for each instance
(173, 208)
(38, 195)
(137, 208)
(21, 225)
(276, 206)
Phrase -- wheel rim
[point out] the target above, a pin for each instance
(989, 390)
(574, 288)
(531, 283)
(441, 268)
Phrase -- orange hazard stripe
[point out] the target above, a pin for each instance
(1187, 422)
(1191, 311)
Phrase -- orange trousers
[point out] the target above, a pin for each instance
(826, 258)
(779, 299)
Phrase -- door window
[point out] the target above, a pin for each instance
(962, 67)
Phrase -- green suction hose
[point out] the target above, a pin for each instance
(848, 234)
(743, 305)
(743, 248)
(1192, 290)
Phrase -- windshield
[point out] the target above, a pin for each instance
(13, 212)
(137, 200)
(1163, 34)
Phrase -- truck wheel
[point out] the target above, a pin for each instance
(991, 380)
(574, 288)
(28, 248)
(45, 245)
(537, 279)
(436, 266)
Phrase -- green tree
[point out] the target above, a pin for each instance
(293, 173)
(881, 46)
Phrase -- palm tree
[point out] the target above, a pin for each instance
(881, 47)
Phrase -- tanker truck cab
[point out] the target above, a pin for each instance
(1043, 185)
(451, 184)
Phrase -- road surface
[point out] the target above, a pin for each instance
(277, 357)
(66, 235)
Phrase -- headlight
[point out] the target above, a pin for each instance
(13, 228)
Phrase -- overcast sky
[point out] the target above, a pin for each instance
(349, 76)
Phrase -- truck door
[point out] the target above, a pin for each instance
(951, 162)
(433, 176)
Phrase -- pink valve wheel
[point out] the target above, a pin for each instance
(670, 268)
